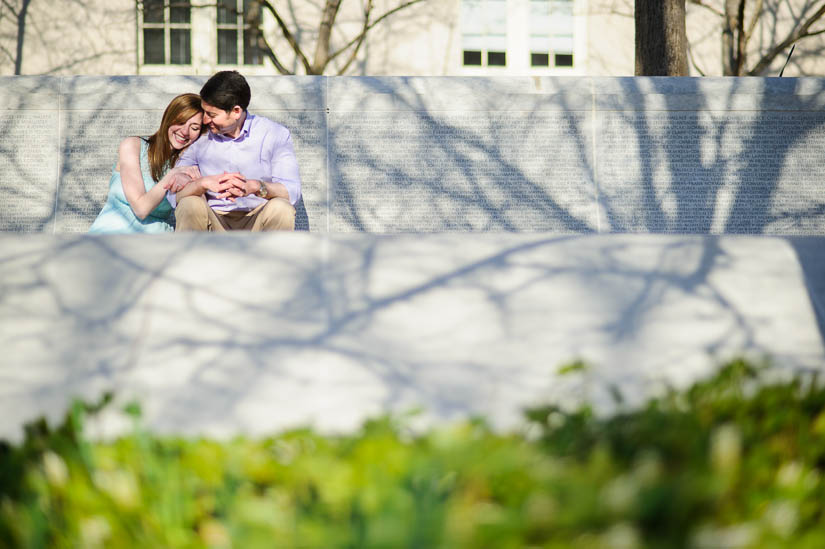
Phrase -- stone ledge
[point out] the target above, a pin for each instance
(222, 334)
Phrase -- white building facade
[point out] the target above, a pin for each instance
(432, 37)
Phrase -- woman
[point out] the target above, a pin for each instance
(137, 190)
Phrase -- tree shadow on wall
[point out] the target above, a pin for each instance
(195, 324)
(402, 161)
(698, 156)
(635, 155)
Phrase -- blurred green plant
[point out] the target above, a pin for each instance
(732, 461)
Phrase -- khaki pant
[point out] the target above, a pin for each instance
(194, 214)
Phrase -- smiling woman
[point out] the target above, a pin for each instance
(143, 172)
(181, 135)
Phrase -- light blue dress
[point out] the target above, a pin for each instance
(117, 215)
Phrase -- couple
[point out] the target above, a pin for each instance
(241, 175)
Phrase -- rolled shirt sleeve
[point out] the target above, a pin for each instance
(285, 168)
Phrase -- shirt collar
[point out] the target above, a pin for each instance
(247, 125)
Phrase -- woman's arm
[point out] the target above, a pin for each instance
(128, 160)
(192, 188)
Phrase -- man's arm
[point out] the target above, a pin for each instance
(285, 180)
(274, 189)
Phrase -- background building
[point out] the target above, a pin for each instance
(431, 37)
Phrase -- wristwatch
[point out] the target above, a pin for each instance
(262, 191)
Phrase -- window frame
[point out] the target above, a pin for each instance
(487, 53)
(553, 55)
(240, 26)
(554, 30)
(167, 26)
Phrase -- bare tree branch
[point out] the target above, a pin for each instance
(322, 58)
(815, 33)
(75, 62)
(7, 53)
(323, 54)
(612, 10)
(693, 61)
(702, 4)
(252, 18)
(21, 34)
(798, 33)
(741, 45)
(264, 46)
(290, 38)
(757, 15)
(354, 53)
(371, 25)
(11, 7)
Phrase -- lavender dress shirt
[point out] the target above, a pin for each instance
(262, 151)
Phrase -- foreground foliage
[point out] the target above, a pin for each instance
(734, 461)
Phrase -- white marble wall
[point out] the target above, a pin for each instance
(449, 154)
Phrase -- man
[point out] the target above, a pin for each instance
(249, 172)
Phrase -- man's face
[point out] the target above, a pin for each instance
(221, 121)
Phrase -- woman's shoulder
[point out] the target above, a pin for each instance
(133, 145)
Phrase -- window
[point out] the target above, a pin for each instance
(564, 59)
(236, 37)
(539, 59)
(472, 57)
(551, 33)
(166, 32)
(484, 32)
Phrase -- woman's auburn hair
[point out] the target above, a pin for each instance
(162, 155)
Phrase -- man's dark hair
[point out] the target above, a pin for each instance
(225, 90)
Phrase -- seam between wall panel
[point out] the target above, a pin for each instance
(596, 193)
(59, 156)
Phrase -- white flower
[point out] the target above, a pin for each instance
(94, 531)
(726, 448)
(782, 517)
(789, 474)
(621, 536)
(120, 485)
(620, 494)
(55, 469)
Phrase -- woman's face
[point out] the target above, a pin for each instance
(181, 135)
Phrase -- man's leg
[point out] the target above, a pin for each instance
(194, 214)
(276, 215)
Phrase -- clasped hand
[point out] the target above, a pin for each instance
(180, 177)
(226, 185)
(231, 185)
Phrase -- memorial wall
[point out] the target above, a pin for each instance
(436, 154)
(29, 158)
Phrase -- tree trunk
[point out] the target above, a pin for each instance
(661, 39)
